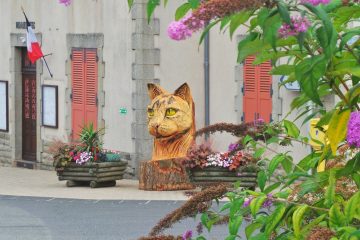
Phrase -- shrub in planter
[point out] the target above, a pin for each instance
(87, 162)
(207, 167)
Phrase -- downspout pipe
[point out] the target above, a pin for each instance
(207, 80)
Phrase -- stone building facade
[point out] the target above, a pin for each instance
(129, 54)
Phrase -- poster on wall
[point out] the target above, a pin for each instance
(50, 106)
(4, 106)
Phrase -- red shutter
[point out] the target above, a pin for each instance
(250, 90)
(84, 89)
(91, 85)
(78, 91)
(265, 88)
(257, 100)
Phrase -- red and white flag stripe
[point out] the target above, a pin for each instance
(33, 47)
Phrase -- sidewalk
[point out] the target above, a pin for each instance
(42, 183)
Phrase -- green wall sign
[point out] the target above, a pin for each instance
(123, 111)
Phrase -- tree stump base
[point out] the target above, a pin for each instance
(163, 175)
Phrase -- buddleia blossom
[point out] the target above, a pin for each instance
(315, 2)
(207, 11)
(187, 235)
(65, 2)
(299, 24)
(213, 9)
(184, 28)
(353, 130)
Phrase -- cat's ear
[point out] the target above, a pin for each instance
(184, 92)
(155, 90)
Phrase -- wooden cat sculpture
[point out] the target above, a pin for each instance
(171, 121)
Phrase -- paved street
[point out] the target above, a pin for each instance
(37, 218)
(42, 183)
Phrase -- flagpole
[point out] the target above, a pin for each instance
(43, 57)
(47, 66)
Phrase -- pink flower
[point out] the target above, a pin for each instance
(187, 235)
(178, 31)
(184, 28)
(315, 2)
(65, 2)
(353, 130)
(300, 24)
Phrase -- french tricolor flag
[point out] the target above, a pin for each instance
(33, 47)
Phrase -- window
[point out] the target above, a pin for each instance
(84, 89)
(257, 91)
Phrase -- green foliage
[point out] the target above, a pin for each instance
(325, 61)
(337, 128)
(90, 139)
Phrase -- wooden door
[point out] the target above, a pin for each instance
(84, 89)
(29, 109)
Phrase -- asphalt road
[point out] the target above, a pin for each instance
(23, 218)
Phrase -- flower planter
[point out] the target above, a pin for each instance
(100, 174)
(210, 175)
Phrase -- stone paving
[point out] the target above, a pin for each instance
(43, 183)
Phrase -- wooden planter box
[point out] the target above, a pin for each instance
(211, 175)
(101, 174)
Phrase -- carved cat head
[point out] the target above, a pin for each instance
(170, 115)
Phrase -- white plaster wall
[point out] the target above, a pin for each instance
(6, 26)
(184, 61)
(180, 61)
(54, 21)
(223, 88)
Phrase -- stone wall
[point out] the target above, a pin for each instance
(5, 150)
(143, 72)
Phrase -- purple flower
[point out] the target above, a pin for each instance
(248, 201)
(233, 146)
(299, 24)
(184, 28)
(65, 2)
(315, 2)
(268, 202)
(187, 235)
(353, 130)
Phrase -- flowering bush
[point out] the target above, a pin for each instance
(316, 43)
(65, 2)
(89, 149)
(201, 156)
(353, 130)
(83, 157)
(197, 155)
(298, 25)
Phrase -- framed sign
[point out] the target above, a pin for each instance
(50, 106)
(292, 86)
(4, 106)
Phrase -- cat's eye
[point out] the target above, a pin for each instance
(170, 112)
(150, 112)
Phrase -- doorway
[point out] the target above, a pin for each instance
(29, 109)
